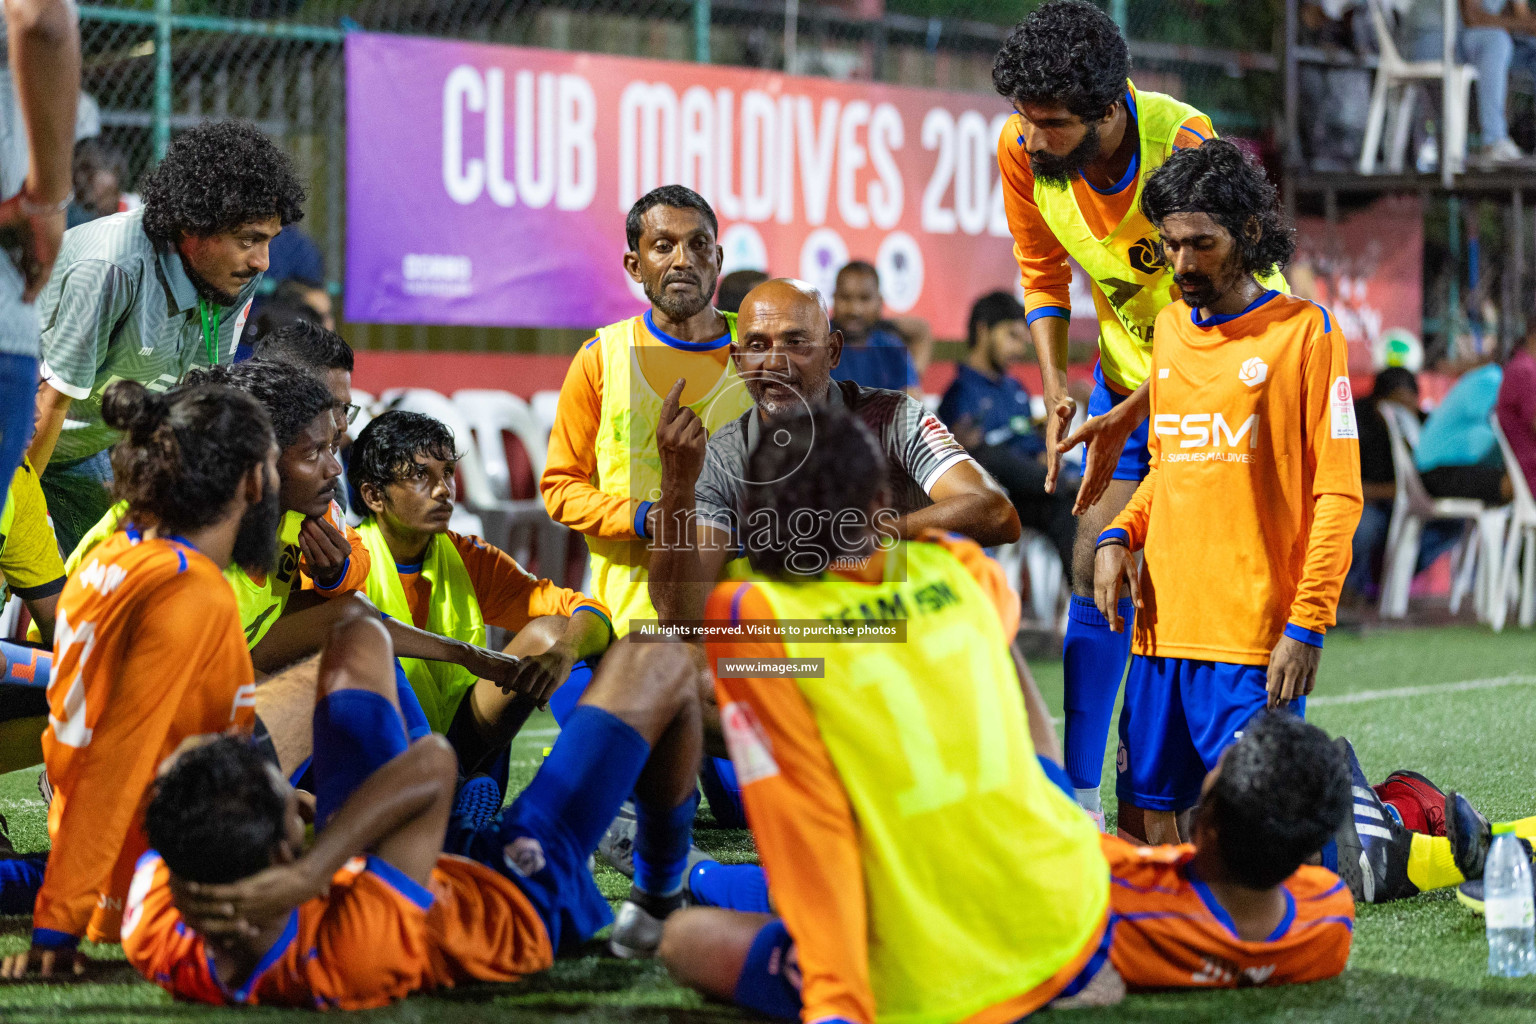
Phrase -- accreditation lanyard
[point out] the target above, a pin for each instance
(209, 315)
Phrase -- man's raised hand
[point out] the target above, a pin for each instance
(680, 439)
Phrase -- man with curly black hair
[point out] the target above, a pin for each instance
(1246, 518)
(149, 294)
(1074, 158)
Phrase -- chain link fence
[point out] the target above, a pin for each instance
(156, 66)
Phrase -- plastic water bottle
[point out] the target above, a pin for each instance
(1428, 157)
(1509, 906)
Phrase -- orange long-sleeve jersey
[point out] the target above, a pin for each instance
(570, 467)
(354, 577)
(1247, 516)
(148, 651)
(509, 595)
(1170, 932)
(1042, 259)
(796, 801)
(374, 937)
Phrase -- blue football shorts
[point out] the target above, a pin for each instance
(1177, 718)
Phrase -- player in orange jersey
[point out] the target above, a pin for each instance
(1074, 158)
(1246, 519)
(916, 839)
(148, 649)
(603, 474)
(231, 908)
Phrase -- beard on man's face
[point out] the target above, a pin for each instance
(680, 307)
(1201, 292)
(1056, 171)
(207, 289)
(255, 548)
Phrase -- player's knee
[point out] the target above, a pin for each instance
(354, 605)
(689, 951)
(350, 661)
(439, 761)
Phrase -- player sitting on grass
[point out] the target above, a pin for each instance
(1246, 519)
(287, 611)
(230, 907)
(148, 649)
(325, 354)
(423, 573)
(953, 839)
(317, 550)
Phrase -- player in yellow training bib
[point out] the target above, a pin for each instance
(603, 474)
(1074, 156)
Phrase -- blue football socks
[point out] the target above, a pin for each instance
(731, 886)
(20, 878)
(1094, 664)
(662, 840)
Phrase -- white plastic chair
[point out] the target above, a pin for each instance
(490, 414)
(1516, 583)
(10, 619)
(366, 404)
(1411, 509)
(1395, 73)
(544, 405)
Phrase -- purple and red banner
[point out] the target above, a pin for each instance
(488, 185)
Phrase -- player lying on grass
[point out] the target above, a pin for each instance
(402, 466)
(230, 907)
(148, 648)
(1408, 836)
(910, 810)
(1246, 519)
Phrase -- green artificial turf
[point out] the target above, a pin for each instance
(1421, 960)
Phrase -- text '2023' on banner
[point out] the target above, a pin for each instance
(488, 184)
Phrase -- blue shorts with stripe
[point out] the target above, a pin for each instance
(1135, 460)
(1177, 718)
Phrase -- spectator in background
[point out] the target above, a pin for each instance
(38, 88)
(1378, 476)
(293, 301)
(734, 287)
(1517, 403)
(303, 291)
(149, 294)
(1336, 99)
(1458, 456)
(1483, 40)
(988, 412)
(99, 172)
(877, 353)
(294, 254)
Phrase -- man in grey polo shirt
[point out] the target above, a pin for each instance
(39, 82)
(785, 350)
(150, 294)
